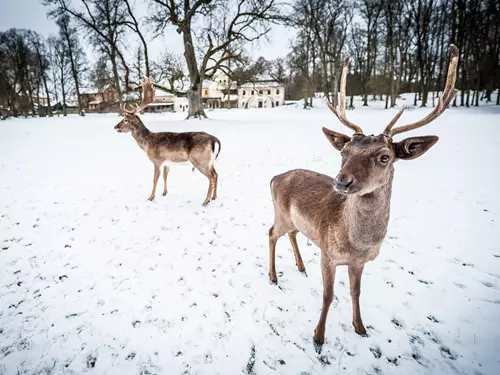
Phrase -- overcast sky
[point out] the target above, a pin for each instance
(31, 14)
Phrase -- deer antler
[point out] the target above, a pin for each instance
(340, 113)
(445, 98)
(148, 96)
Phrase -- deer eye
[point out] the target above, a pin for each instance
(384, 158)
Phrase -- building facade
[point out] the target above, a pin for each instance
(264, 93)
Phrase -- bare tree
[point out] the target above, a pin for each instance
(170, 69)
(106, 21)
(43, 64)
(61, 67)
(134, 25)
(68, 36)
(224, 26)
(101, 75)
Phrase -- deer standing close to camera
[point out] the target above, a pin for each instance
(167, 148)
(347, 216)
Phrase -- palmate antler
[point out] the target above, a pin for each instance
(340, 113)
(148, 96)
(445, 98)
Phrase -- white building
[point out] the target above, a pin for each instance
(181, 104)
(216, 93)
(263, 93)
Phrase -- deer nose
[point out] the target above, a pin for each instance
(342, 182)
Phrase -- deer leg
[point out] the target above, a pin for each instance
(165, 174)
(273, 239)
(328, 271)
(296, 252)
(209, 192)
(207, 172)
(355, 273)
(155, 181)
(215, 176)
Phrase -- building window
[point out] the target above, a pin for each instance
(268, 92)
(277, 104)
(244, 92)
(260, 92)
(252, 92)
(277, 92)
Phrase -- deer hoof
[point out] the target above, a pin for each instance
(164, 193)
(318, 341)
(273, 280)
(151, 198)
(360, 330)
(318, 346)
(303, 273)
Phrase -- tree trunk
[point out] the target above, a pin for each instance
(425, 95)
(116, 78)
(468, 95)
(49, 106)
(478, 88)
(498, 96)
(65, 110)
(333, 83)
(336, 89)
(194, 94)
(462, 94)
(195, 106)
(146, 55)
(74, 72)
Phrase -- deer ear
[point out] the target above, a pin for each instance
(338, 140)
(412, 148)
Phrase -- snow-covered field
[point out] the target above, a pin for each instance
(96, 279)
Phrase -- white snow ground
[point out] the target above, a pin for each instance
(96, 279)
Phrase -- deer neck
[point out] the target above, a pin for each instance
(366, 216)
(142, 136)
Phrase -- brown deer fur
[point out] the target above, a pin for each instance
(347, 217)
(166, 148)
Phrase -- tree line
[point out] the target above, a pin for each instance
(395, 46)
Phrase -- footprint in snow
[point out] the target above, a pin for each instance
(488, 284)
(433, 319)
(397, 323)
(447, 353)
(376, 352)
(425, 282)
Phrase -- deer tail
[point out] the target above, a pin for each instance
(215, 140)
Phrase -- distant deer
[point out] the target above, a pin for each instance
(166, 148)
(347, 217)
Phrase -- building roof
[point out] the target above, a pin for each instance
(259, 84)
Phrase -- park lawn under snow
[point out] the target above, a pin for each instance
(96, 279)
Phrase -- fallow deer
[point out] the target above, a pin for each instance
(167, 149)
(347, 216)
